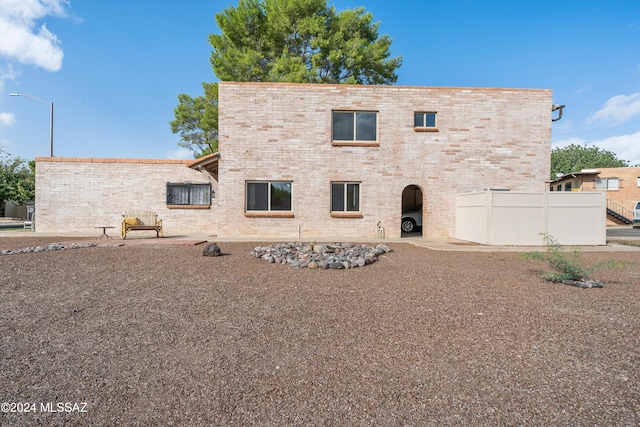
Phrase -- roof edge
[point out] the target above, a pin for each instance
(108, 160)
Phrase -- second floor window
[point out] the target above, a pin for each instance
(426, 120)
(607, 184)
(361, 126)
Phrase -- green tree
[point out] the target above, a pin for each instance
(296, 41)
(574, 158)
(301, 41)
(17, 180)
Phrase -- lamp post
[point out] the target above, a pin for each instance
(50, 119)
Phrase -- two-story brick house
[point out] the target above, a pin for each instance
(311, 160)
(303, 161)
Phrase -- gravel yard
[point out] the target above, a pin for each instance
(160, 335)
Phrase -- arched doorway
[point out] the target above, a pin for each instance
(411, 223)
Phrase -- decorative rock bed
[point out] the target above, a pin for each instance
(55, 247)
(321, 255)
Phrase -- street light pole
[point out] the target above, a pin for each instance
(50, 119)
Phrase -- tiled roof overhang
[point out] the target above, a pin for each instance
(208, 163)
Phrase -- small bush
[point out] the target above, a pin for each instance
(568, 265)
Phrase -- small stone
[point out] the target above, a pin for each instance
(312, 265)
(211, 250)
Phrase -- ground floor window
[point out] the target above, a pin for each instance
(269, 196)
(345, 197)
(188, 194)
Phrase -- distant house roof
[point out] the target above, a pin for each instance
(576, 174)
(208, 163)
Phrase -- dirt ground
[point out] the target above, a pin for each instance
(160, 335)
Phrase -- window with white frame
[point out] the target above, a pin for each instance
(639, 181)
(269, 196)
(345, 197)
(423, 120)
(607, 183)
(354, 126)
(188, 194)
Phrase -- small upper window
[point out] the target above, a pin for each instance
(425, 121)
(188, 194)
(639, 181)
(360, 126)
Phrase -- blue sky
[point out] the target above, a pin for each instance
(114, 68)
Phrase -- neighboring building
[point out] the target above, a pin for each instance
(310, 161)
(621, 185)
(12, 209)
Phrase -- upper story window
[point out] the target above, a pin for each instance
(607, 183)
(269, 196)
(639, 181)
(182, 194)
(425, 121)
(354, 126)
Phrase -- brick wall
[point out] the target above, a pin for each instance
(486, 138)
(75, 194)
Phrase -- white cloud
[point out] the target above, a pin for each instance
(180, 154)
(7, 119)
(625, 147)
(617, 110)
(22, 41)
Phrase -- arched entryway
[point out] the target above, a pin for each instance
(412, 200)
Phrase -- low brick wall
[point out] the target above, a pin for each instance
(76, 194)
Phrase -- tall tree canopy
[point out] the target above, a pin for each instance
(296, 41)
(300, 41)
(574, 158)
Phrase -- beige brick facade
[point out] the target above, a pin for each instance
(485, 138)
(75, 194)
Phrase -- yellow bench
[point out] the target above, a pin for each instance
(141, 220)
